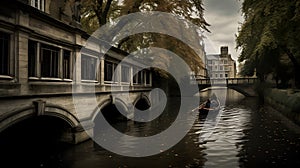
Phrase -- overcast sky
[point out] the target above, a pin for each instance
(224, 17)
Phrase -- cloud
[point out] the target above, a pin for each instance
(224, 17)
(223, 7)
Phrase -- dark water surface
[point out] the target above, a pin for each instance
(245, 136)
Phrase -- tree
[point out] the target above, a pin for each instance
(269, 33)
(96, 13)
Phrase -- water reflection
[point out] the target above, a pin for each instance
(219, 149)
(244, 136)
(223, 146)
(225, 130)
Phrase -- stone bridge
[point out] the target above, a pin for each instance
(27, 98)
(16, 109)
(244, 86)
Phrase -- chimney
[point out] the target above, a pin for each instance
(224, 50)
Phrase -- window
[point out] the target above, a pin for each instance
(221, 75)
(141, 77)
(225, 62)
(136, 75)
(4, 53)
(109, 69)
(148, 78)
(49, 61)
(125, 73)
(221, 68)
(88, 68)
(32, 54)
(210, 68)
(66, 64)
(216, 67)
(226, 75)
(209, 62)
(39, 4)
(216, 75)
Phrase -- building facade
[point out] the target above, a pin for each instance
(221, 66)
(41, 61)
(200, 72)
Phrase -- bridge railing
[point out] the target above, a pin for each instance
(241, 81)
(227, 81)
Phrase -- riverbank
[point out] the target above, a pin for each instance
(285, 101)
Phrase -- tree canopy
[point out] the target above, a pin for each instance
(269, 34)
(96, 13)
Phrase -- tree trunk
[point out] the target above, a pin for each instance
(101, 13)
(296, 66)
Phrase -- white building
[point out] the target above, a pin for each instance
(221, 65)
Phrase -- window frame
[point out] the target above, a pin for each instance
(54, 67)
(114, 78)
(135, 76)
(96, 68)
(5, 54)
(147, 77)
(37, 72)
(38, 4)
(221, 68)
(127, 75)
(10, 75)
(141, 79)
(70, 66)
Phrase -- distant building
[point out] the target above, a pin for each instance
(221, 65)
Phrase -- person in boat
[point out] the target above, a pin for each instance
(209, 104)
(214, 102)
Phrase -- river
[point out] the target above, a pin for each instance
(245, 136)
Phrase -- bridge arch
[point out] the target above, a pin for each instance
(107, 111)
(109, 102)
(38, 108)
(62, 113)
(142, 102)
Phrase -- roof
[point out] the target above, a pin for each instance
(213, 57)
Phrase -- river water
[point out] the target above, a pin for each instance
(245, 136)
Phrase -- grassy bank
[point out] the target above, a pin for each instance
(285, 101)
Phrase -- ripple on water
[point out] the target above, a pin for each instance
(222, 146)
